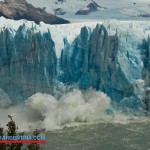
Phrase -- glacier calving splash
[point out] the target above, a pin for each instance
(112, 57)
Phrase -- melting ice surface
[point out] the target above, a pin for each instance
(63, 71)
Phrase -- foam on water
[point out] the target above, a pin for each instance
(72, 109)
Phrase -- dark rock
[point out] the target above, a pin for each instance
(14, 9)
(83, 12)
(92, 7)
(144, 15)
(59, 11)
(61, 1)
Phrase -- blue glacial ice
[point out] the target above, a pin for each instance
(110, 56)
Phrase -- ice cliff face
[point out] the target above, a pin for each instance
(146, 59)
(110, 63)
(111, 56)
(27, 62)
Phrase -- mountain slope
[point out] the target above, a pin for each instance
(115, 9)
(14, 9)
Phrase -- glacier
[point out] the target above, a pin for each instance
(109, 56)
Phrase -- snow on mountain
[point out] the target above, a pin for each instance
(115, 9)
(70, 6)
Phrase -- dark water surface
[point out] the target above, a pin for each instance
(103, 136)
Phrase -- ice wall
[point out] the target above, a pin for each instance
(110, 63)
(146, 59)
(27, 62)
(112, 56)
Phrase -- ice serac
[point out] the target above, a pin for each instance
(102, 61)
(27, 62)
(146, 59)
(146, 70)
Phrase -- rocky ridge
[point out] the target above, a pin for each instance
(14, 9)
